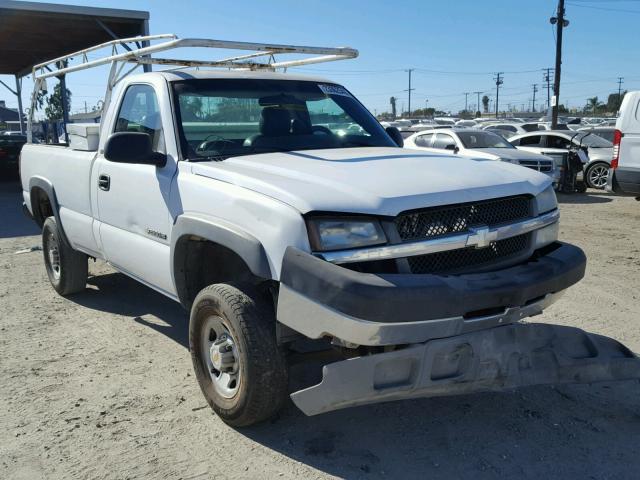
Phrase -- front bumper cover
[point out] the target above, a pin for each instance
(489, 360)
(320, 299)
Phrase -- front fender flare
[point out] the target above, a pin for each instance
(221, 232)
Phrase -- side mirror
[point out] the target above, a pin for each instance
(133, 147)
(452, 147)
(395, 135)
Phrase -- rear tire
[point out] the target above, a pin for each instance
(596, 175)
(240, 368)
(67, 268)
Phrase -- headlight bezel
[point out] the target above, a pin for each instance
(318, 242)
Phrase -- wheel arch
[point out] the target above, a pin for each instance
(206, 251)
(44, 203)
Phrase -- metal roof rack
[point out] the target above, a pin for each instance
(143, 50)
(139, 50)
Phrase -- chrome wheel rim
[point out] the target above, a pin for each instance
(219, 355)
(598, 176)
(53, 254)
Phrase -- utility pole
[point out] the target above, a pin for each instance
(546, 77)
(560, 23)
(533, 104)
(499, 81)
(466, 96)
(620, 82)
(478, 105)
(409, 89)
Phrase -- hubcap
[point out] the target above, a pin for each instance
(54, 255)
(598, 176)
(220, 357)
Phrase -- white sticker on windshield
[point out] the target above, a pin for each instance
(334, 90)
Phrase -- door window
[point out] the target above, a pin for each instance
(442, 140)
(555, 141)
(139, 112)
(532, 141)
(424, 140)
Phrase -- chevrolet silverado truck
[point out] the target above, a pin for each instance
(280, 213)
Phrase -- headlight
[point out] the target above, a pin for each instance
(546, 200)
(338, 233)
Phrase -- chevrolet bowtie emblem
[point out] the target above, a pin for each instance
(481, 237)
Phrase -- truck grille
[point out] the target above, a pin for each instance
(452, 219)
(544, 166)
(465, 258)
(437, 221)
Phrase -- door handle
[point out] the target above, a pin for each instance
(104, 182)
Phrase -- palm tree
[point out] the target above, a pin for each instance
(485, 104)
(594, 104)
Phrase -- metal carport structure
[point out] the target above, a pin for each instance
(32, 33)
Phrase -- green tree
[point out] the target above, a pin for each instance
(593, 104)
(614, 100)
(485, 104)
(54, 109)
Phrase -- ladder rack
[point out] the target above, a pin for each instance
(142, 52)
(139, 50)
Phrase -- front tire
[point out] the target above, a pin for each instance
(67, 268)
(239, 366)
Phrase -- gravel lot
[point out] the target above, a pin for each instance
(100, 385)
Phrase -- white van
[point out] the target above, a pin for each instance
(624, 175)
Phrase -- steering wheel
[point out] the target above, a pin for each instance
(219, 144)
(320, 129)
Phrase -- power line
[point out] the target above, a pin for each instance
(621, 10)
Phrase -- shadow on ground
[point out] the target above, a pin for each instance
(538, 432)
(116, 293)
(13, 223)
(591, 196)
(581, 431)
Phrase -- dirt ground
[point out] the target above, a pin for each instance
(100, 385)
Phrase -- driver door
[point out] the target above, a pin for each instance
(133, 199)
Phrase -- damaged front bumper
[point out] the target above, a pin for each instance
(488, 360)
(319, 299)
(448, 334)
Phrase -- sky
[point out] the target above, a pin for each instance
(454, 46)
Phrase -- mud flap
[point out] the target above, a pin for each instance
(489, 360)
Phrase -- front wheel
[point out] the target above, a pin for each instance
(67, 268)
(239, 366)
(596, 175)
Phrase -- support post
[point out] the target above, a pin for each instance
(19, 95)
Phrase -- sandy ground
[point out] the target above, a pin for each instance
(100, 385)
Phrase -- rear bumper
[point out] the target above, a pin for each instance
(489, 360)
(624, 181)
(320, 299)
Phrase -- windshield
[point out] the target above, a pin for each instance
(483, 139)
(221, 118)
(592, 140)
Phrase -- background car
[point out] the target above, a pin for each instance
(10, 147)
(604, 132)
(479, 144)
(555, 143)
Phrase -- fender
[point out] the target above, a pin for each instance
(219, 231)
(47, 187)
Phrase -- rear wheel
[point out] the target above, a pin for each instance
(67, 268)
(596, 175)
(239, 366)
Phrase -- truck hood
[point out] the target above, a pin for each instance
(380, 180)
(512, 154)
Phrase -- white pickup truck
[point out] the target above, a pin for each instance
(278, 211)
